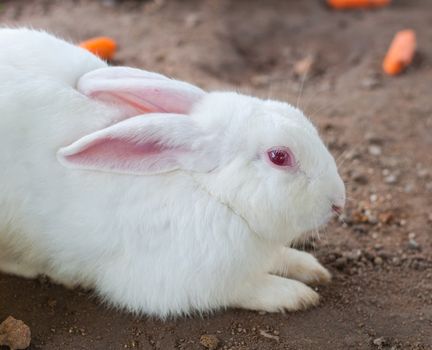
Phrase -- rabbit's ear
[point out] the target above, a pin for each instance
(144, 145)
(139, 91)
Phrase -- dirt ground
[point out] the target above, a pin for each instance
(378, 127)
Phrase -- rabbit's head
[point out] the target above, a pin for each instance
(261, 158)
(274, 170)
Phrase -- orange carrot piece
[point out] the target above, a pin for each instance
(400, 53)
(103, 47)
(353, 4)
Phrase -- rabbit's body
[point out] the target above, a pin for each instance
(165, 242)
(48, 230)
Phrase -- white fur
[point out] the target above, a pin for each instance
(181, 241)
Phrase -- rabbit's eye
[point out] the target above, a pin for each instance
(281, 157)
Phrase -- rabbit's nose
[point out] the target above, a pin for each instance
(338, 197)
(337, 209)
(338, 204)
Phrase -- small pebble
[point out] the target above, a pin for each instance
(412, 244)
(209, 341)
(354, 255)
(268, 335)
(304, 66)
(396, 261)
(375, 150)
(192, 20)
(386, 217)
(381, 341)
(390, 179)
(15, 334)
(378, 260)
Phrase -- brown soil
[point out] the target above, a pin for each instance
(379, 128)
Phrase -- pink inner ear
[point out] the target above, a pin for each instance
(139, 91)
(120, 154)
(143, 145)
(124, 99)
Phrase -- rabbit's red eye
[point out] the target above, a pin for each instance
(281, 157)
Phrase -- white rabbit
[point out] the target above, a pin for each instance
(163, 198)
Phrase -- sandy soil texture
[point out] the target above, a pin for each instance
(379, 128)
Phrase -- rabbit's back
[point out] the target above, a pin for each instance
(37, 52)
(40, 108)
(40, 112)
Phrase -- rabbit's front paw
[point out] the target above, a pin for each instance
(278, 294)
(300, 266)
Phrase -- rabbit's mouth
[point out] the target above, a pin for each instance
(312, 233)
